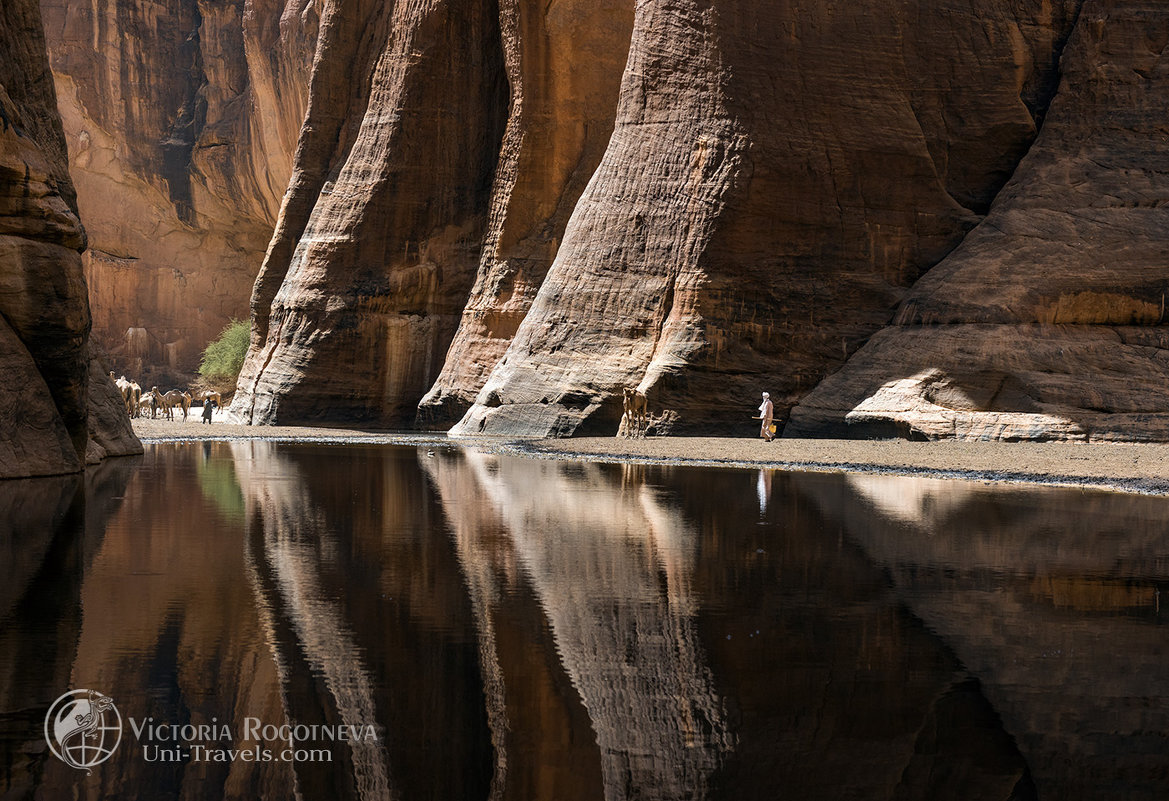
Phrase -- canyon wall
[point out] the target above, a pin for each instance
(701, 200)
(779, 175)
(379, 238)
(182, 118)
(55, 405)
(1049, 321)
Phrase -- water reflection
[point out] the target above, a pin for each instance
(523, 629)
(1050, 597)
(610, 565)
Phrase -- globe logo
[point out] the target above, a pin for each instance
(82, 728)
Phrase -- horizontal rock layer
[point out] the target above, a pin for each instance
(46, 409)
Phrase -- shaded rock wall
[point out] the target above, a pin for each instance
(45, 405)
(1049, 321)
(181, 119)
(564, 63)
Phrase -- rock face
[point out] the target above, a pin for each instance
(775, 179)
(181, 118)
(379, 236)
(1049, 321)
(45, 404)
(564, 65)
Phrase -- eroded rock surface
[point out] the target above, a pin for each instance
(380, 233)
(182, 118)
(778, 176)
(564, 63)
(706, 200)
(1049, 321)
(44, 312)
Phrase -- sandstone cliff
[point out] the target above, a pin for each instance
(47, 400)
(379, 271)
(1049, 321)
(181, 118)
(697, 199)
(777, 177)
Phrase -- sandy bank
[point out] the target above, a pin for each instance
(1121, 466)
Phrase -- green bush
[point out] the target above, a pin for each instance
(224, 357)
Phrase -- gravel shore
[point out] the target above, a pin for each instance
(1119, 466)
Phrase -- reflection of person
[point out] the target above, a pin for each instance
(766, 413)
(208, 410)
(763, 487)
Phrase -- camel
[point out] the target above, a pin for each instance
(136, 399)
(636, 412)
(126, 388)
(147, 403)
(170, 400)
(165, 402)
(211, 396)
(185, 400)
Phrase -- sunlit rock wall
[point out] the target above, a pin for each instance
(1049, 322)
(182, 118)
(45, 404)
(698, 199)
(370, 269)
(778, 175)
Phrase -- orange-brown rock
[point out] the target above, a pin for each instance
(776, 178)
(181, 119)
(1049, 321)
(564, 63)
(45, 402)
(380, 233)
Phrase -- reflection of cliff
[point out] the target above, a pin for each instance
(611, 571)
(366, 618)
(51, 530)
(289, 534)
(1051, 598)
(170, 631)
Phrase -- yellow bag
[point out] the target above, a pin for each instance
(771, 429)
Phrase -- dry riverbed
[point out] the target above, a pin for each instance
(1121, 466)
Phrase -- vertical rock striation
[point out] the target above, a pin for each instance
(778, 176)
(371, 295)
(181, 118)
(1049, 321)
(564, 63)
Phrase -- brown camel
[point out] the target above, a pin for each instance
(164, 402)
(636, 411)
(127, 390)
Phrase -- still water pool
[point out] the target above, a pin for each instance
(331, 622)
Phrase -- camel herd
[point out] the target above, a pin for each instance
(139, 403)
